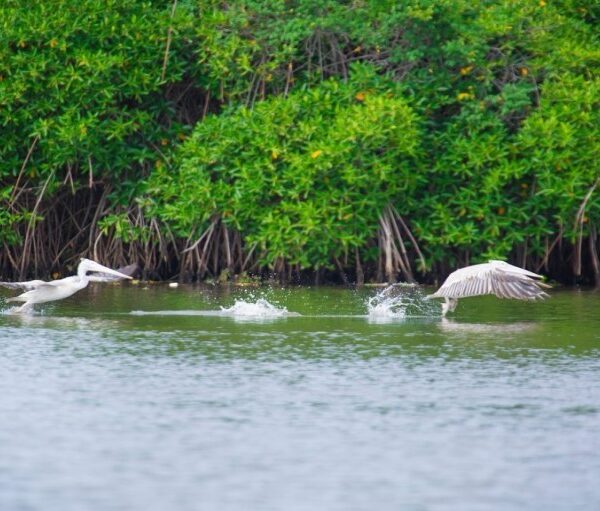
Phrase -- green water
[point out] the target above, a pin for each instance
(146, 397)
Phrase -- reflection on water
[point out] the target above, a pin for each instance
(33, 320)
(299, 399)
(493, 330)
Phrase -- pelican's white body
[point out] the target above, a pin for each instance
(39, 291)
(50, 291)
(494, 277)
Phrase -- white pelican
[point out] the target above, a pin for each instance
(493, 278)
(39, 291)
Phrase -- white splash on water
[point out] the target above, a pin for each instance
(260, 308)
(400, 301)
(249, 309)
(19, 310)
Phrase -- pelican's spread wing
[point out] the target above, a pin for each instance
(496, 277)
(26, 286)
(33, 285)
(38, 288)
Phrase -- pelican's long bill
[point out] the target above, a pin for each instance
(93, 266)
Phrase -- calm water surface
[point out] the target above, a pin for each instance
(497, 408)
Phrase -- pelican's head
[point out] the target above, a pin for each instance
(449, 305)
(88, 265)
(445, 307)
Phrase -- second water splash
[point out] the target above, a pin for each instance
(401, 301)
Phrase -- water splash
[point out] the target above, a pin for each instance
(400, 301)
(11, 311)
(247, 308)
(18, 310)
(259, 309)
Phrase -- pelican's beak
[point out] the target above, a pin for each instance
(445, 308)
(96, 267)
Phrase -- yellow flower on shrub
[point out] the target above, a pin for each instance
(316, 154)
(463, 96)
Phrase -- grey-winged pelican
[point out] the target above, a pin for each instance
(492, 278)
(39, 291)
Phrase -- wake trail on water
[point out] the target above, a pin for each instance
(241, 309)
(395, 302)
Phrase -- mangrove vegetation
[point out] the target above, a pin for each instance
(301, 140)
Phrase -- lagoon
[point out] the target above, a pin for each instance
(221, 398)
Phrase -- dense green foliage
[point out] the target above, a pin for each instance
(324, 134)
(303, 177)
(83, 104)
